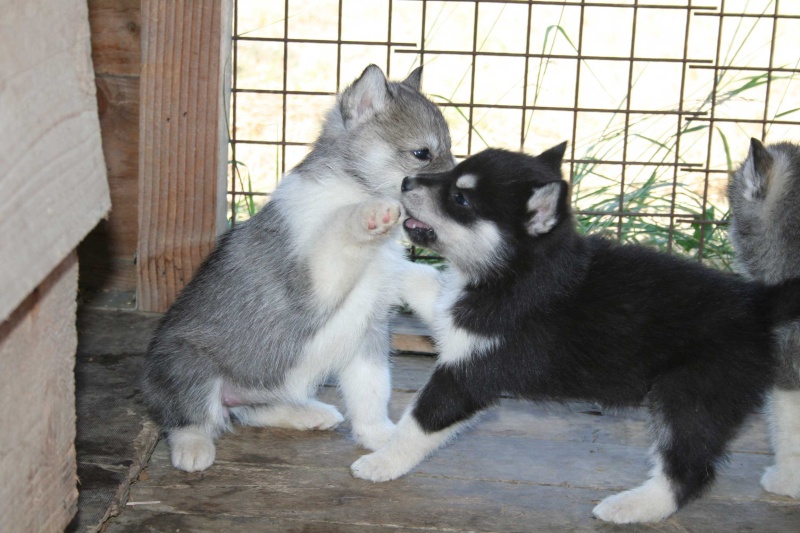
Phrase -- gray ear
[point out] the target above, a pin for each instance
(544, 207)
(365, 97)
(414, 80)
(756, 171)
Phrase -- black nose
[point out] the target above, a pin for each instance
(406, 186)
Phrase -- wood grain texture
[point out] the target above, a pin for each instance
(37, 391)
(523, 467)
(107, 254)
(54, 178)
(181, 143)
(116, 37)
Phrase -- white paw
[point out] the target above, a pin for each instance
(375, 437)
(380, 466)
(784, 480)
(380, 216)
(310, 415)
(318, 415)
(648, 503)
(191, 450)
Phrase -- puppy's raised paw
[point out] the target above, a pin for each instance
(379, 217)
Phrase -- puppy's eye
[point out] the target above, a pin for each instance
(460, 199)
(423, 154)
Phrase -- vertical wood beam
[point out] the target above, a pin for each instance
(182, 143)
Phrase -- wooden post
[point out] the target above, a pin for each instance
(182, 143)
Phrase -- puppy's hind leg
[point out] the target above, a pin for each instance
(692, 427)
(310, 414)
(652, 501)
(192, 443)
(784, 476)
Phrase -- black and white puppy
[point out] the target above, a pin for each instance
(529, 307)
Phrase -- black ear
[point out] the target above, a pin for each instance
(414, 80)
(365, 97)
(546, 207)
(554, 156)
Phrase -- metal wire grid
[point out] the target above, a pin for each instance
(688, 8)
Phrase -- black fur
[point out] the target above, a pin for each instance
(585, 318)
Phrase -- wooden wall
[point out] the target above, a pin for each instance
(37, 391)
(54, 192)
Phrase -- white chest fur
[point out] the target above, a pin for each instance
(455, 343)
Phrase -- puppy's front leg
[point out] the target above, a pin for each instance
(441, 409)
(341, 249)
(421, 285)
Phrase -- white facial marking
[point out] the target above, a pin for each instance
(467, 181)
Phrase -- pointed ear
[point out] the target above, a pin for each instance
(545, 207)
(756, 171)
(553, 157)
(414, 80)
(762, 159)
(365, 97)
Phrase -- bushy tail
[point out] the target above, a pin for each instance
(783, 301)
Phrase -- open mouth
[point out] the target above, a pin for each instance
(418, 231)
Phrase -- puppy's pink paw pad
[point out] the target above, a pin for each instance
(382, 216)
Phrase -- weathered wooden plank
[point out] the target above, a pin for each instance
(107, 254)
(138, 519)
(37, 392)
(307, 493)
(524, 466)
(523, 463)
(54, 179)
(182, 148)
(532, 514)
(591, 452)
(116, 37)
(118, 105)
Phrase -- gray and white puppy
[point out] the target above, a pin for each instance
(304, 289)
(764, 195)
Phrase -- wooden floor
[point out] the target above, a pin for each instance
(523, 467)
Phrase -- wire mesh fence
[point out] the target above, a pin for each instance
(658, 99)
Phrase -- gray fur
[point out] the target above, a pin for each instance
(764, 196)
(250, 310)
(224, 322)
